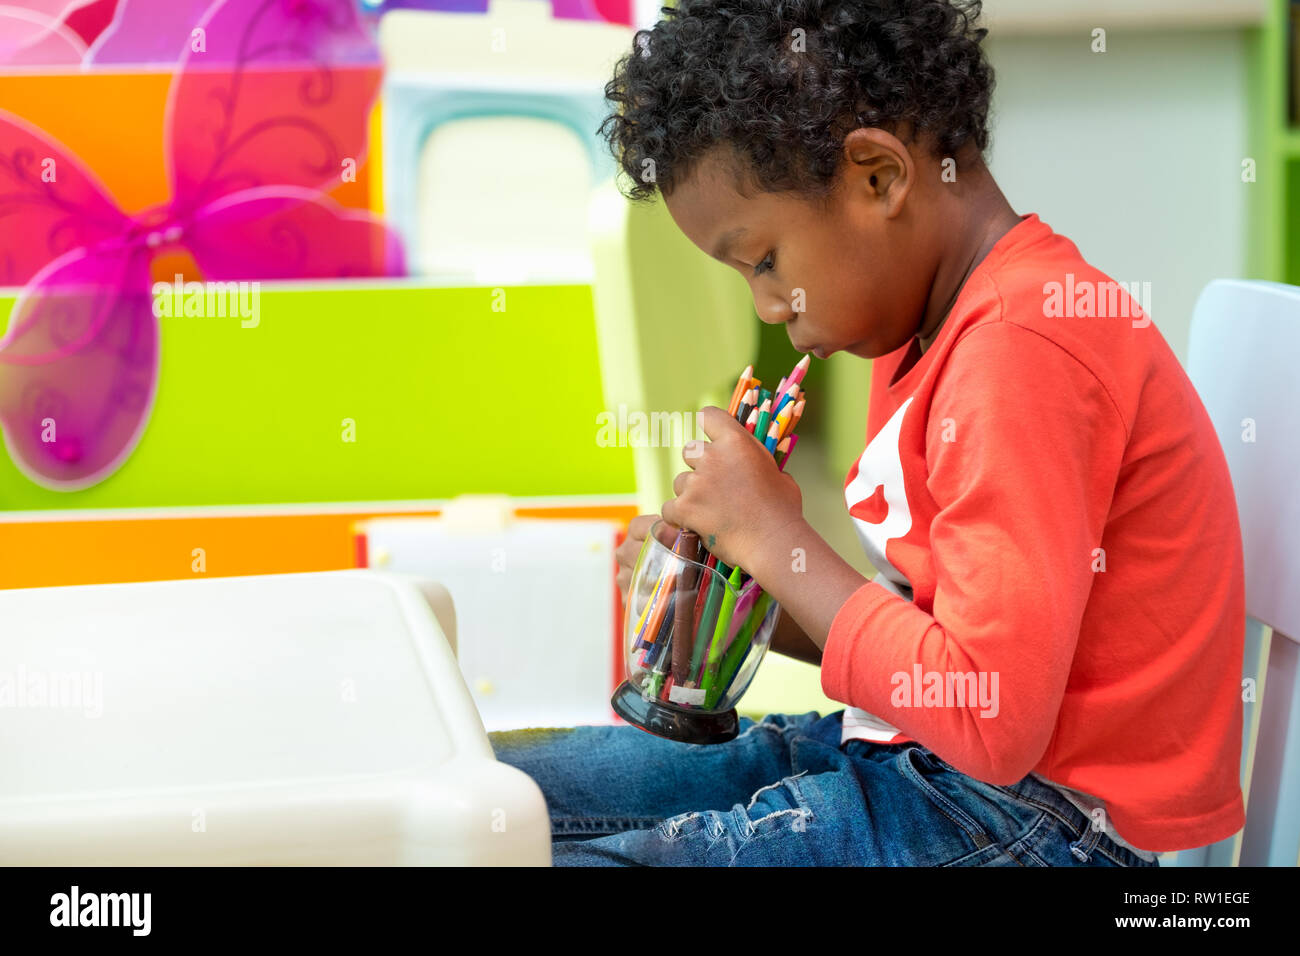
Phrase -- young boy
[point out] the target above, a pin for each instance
(1045, 670)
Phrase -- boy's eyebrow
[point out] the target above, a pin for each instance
(723, 248)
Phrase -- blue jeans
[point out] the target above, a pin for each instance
(786, 793)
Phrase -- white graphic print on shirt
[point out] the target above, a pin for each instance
(877, 503)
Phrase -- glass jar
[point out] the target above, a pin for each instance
(694, 633)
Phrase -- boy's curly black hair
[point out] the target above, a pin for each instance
(781, 82)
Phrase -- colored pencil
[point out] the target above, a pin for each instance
(782, 422)
(697, 628)
(793, 439)
(799, 371)
(742, 386)
(773, 436)
(714, 659)
(707, 623)
(738, 651)
(687, 584)
(796, 412)
(764, 416)
(746, 406)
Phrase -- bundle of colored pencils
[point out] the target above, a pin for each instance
(771, 417)
(695, 632)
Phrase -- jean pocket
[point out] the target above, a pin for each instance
(911, 763)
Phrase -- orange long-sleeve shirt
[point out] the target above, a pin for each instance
(1051, 516)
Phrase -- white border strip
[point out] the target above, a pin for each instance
(394, 283)
(305, 508)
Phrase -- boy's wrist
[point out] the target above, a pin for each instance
(775, 541)
(805, 575)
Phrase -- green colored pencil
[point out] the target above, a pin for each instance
(739, 647)
(707, 617)
(720, 630)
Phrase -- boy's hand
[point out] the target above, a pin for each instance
(735, 498)
(630, 549)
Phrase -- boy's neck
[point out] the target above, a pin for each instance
(986, 218)
(925, 343)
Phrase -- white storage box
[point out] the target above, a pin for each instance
(536, 605)
(281, 719)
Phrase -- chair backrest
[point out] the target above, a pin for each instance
(675, 328)
(1245, 341)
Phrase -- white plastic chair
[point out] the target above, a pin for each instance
(1245, 341)
(291, 719)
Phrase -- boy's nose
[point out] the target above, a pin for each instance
(773, 311)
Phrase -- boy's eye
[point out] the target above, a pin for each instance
(766, 265)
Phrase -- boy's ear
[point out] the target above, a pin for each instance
(879, 167)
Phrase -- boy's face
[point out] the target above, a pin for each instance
(851, 266)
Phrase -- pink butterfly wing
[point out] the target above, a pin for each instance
(574, 10)
(32, 34)
(287, 233)
(89, 18)
(49, 202)
(148, 31)
(79, 367)
(280, 95)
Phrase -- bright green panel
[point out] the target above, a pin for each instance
(1291, 221)
(1267, 73)
(448, 396)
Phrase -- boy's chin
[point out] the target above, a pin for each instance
(875, 348)
(865, 350)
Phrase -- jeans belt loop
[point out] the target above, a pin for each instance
(1082, 847)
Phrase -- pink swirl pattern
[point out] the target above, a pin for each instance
(259, 123)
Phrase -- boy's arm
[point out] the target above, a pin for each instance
(1022, 489)
(790, 640)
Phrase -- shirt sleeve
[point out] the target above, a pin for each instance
(1023, 449)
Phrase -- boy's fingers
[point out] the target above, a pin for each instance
(639, 526)
(716, 423)
(627, 552)
(668, 534)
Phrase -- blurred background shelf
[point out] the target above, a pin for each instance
(1037, 16)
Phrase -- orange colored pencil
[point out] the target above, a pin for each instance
(742, 386)
(796, 411)
(657, 618)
